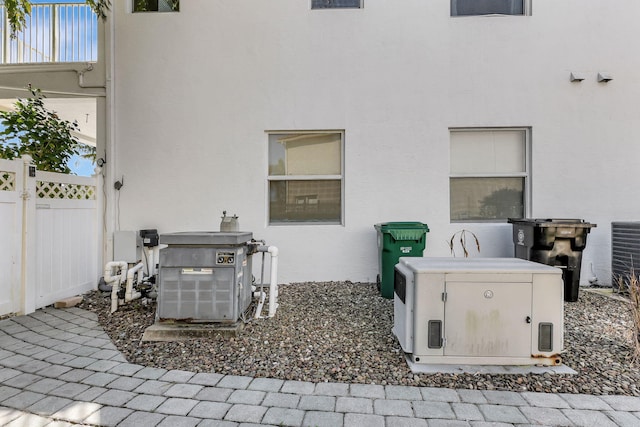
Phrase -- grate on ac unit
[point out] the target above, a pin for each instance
(625, 253)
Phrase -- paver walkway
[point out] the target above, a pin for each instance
(59, 368)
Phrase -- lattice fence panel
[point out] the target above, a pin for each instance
(60, 190)
(7, 181)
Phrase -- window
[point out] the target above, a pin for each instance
(334, 4)
(489, 174)
(156, 5)
(489, 7)
(305, 177)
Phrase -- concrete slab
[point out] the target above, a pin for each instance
(423, 368)
(608, 292)
(163, 331)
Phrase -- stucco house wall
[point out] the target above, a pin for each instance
(195, 93)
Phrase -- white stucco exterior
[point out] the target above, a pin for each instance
(194, 93)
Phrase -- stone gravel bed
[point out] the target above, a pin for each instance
(341, 332)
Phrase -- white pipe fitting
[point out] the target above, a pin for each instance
(115, 279)
(130, 294)
(262, 296)
(273, 285)
(273, 282)
(152, 263)
(108, 271)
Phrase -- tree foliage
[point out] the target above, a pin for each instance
(18, 10)
(100, 7)
(33, 129)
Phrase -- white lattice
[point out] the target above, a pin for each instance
(7, 181)
(60, 190)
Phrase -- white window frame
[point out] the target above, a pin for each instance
(273, 178)
(526, 175)
(526, 11)
(360, 6)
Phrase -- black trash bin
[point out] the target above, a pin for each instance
(555, 242)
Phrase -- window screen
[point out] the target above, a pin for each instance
(330, 4)
(488, 174)
(487, 7)
(156, 5)
(305, 177)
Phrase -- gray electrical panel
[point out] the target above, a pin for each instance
(204, 276)
(127, 246)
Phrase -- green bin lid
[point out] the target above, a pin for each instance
(403, 230)
(407, 234)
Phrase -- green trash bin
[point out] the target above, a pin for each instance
(395, 240)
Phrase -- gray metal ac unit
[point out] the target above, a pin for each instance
(625, 252)
(204, 277)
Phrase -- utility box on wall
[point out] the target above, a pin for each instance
(127, 246)
(483, 311)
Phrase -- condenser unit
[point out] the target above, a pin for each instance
(483, 311)
(625, 252)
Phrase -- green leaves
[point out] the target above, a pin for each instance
(34, 130)
(17, 11)
(100, 7)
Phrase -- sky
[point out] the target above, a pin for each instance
(81, 167)
(78, 165)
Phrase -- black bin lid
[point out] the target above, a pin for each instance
(552, 222)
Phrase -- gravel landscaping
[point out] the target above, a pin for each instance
(341, 332)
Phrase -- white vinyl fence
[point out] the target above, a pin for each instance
(49, 236)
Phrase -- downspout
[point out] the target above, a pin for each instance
(82, 84)
(109, 172)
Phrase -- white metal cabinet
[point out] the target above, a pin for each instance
(490, 311)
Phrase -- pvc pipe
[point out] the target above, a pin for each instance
(263, 296)
(118, 279)
(130, 294)
(81, 83)
(273, 285)
(150, 261)
(114, 296)
(108, 269)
